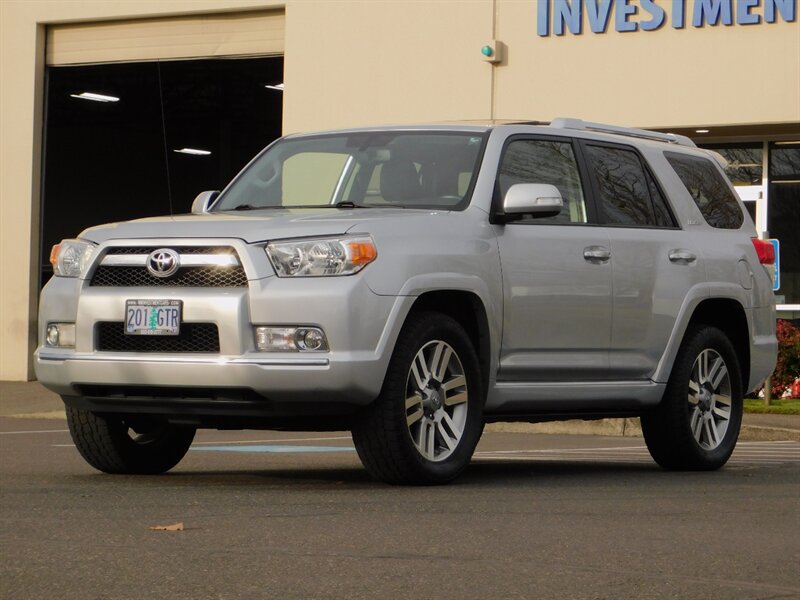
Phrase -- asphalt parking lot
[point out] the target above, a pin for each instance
(286, 515)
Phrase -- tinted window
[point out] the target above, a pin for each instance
(391, 168)
(709, 190)
(545, 161)
(626, 191)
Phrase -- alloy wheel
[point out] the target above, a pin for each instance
(436, 400)
(709, 399)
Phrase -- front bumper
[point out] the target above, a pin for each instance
(361, 328)
(305, 378)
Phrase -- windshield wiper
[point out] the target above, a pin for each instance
(351, 204)
(251, 207)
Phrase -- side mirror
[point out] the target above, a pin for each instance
(203, 201)
(537, 199)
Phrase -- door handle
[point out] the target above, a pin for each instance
(683, 257)
(596, 253)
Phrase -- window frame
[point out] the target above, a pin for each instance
(648, 171)
(724, 179)
(497, 213)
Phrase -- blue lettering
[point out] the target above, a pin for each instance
(711, 11)
(622, 11)
(569, 14)
(543, 18)
(659, 16)
(566, 16)
(787, 8)
(598, 13)
(678, 14)
(743, 16)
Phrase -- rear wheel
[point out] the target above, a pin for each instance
(424, 426)
(128, 444)
(697, 423)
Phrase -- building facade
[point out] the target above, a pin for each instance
(724, 72)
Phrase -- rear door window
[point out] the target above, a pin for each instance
(709, 190)
(626, 191)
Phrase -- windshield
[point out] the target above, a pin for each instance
(391, 169)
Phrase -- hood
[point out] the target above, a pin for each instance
(250, 226)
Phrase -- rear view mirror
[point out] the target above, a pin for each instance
(537, 199)
(203, 201)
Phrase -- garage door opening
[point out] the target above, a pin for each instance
(130, 140)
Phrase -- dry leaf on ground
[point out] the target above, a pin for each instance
(174, 527)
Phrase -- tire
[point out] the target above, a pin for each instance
(428, 418)
(696, 425)
(130, 445)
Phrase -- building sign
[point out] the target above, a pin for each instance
(571, 16)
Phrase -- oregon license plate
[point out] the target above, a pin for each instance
(153, 317)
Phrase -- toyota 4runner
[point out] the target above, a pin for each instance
(411, 284)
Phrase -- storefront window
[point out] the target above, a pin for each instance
(745, 162)
(784, 215)
(129, 140)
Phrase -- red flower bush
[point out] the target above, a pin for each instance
(787, 368)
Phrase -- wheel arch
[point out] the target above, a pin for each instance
(727, 315)
(469, 311)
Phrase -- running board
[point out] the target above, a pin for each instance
(591, 397)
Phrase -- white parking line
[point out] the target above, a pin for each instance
(239, 442)
(748, 453)
(37, 431)
(273, 441)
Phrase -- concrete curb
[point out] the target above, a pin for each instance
(632, 428)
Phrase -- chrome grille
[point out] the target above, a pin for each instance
(194, 337)
(185, 277)
(201, 266)
(117, 250)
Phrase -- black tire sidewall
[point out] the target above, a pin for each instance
(676, 408)
(449, 331)
(104, 442)
(420, 329)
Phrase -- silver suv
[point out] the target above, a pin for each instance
(411, 284)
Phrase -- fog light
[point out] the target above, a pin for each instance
(311, 339)
(60, 335)
(291, 339)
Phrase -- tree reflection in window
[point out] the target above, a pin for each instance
(624, 189)
(545, 161)
(709, 190)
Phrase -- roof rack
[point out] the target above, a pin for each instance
(670, 138)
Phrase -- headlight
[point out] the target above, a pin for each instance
(321, 257)
(70, 257)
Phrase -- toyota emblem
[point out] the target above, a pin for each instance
(163, 262)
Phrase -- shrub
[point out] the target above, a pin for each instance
(787, 368)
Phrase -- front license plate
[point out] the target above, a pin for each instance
(153, 317)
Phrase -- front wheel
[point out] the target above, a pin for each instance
(424, 426)
(697, 423)
(128, 444)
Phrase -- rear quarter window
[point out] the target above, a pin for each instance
(709, 190)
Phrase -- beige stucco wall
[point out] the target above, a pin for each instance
(352, 62)
(358, 62)
(665, 78)
(22, 28)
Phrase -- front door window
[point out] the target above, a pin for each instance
(784, 216)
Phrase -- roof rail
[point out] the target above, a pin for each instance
(670, 138)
